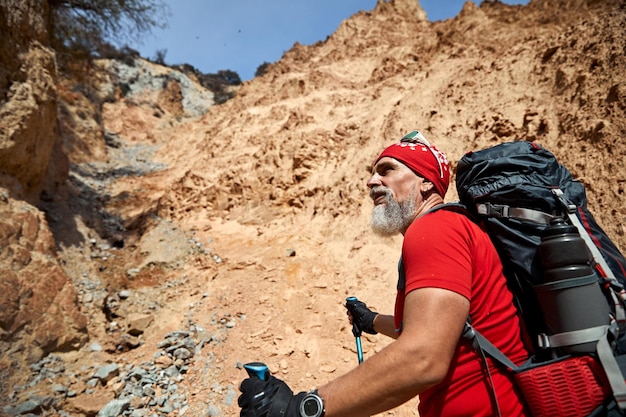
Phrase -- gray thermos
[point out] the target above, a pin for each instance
(570, 297)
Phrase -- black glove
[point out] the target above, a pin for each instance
(271, 398)
(362, 316)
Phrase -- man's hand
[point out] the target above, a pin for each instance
(361, 315)
(271, 398)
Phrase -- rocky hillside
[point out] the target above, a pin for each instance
(152, 241)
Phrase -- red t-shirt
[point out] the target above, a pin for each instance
(445, 249)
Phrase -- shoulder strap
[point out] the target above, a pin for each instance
(481, 344)
(457, 207)
(452, 206)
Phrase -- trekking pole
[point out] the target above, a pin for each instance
(257, 370)
(356, 332)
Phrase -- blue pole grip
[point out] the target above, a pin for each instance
(359, 349)
(257, 370)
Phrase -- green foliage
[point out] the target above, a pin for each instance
(125, 54)
(89, 26)
(159, 56)
(218, 83)
(229, 77)
(261, 69)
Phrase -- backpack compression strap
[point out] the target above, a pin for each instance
(537, 216)
(618, 293)
(571, 214)
(501, 210)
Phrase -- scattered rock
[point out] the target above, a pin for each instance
(138, 323)
(114, 408)
(107, 372)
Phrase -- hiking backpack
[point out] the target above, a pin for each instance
(536, 215)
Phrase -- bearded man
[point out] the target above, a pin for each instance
(449, 271)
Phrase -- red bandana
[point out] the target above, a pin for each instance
(423, 158)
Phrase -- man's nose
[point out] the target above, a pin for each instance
(374, 181)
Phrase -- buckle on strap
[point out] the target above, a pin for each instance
(468, 332)
(560, 196)
(518, 213)
(488, 209)
(575, 337)
(543, 341)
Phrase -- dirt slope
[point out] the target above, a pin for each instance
(251, 222)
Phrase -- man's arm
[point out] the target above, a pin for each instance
(418, 359)
(384, 324)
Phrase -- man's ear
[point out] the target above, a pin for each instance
(427, 187)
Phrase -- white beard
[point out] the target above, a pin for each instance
(392, 218)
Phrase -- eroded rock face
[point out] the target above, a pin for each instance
(39, 303)
(29, 111)
(25, 26)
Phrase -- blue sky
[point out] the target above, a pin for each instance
(240, 35)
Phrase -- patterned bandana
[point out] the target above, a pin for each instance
(414, 151)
